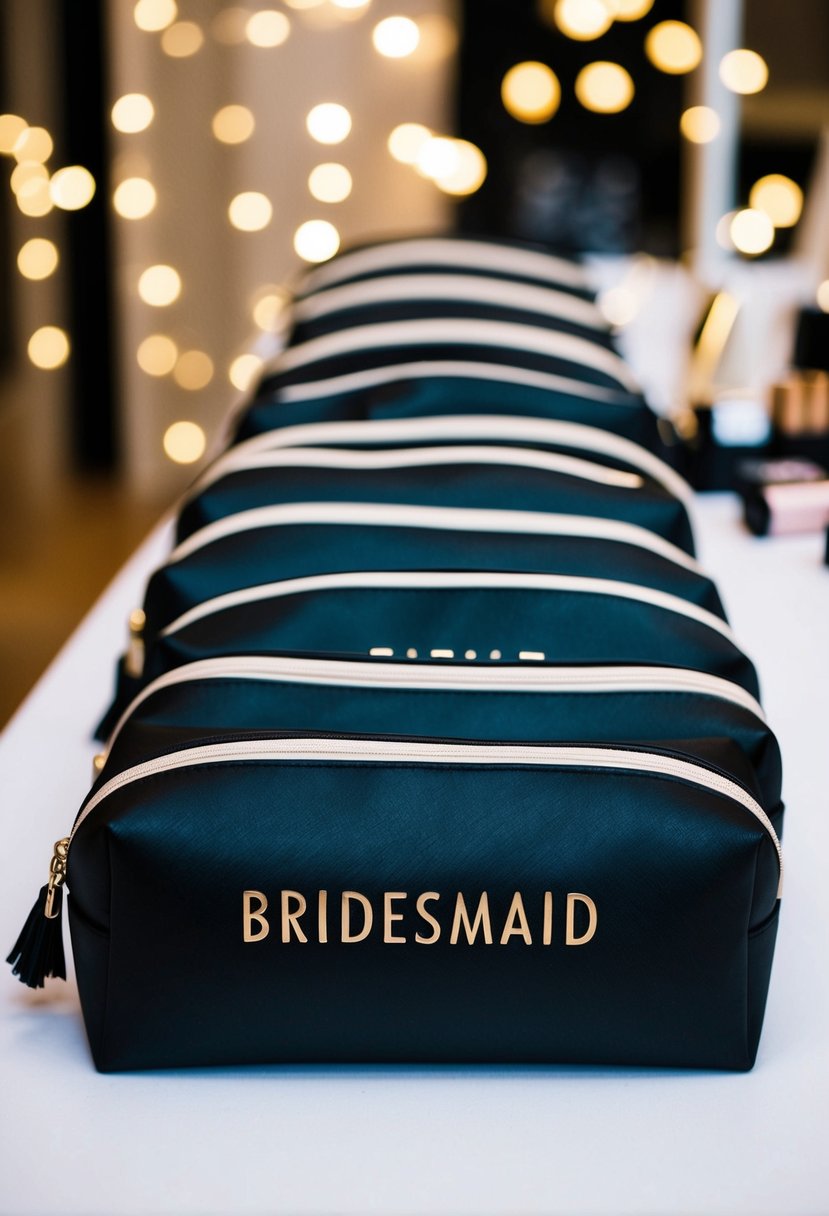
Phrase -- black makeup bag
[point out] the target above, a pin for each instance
(436, 746)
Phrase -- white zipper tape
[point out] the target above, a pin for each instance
(460, 519)
(458, 678)
(479, 255)
(384, 751)
(544, 301)
(480, 429)
(460, 331)
(500, 373)
(447, 580)
(241, 458)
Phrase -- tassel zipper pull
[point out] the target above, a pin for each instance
(57, 877)
(38, 951)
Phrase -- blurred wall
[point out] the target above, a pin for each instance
(328, 56)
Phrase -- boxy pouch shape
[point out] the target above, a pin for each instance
(499, 616)
(272, 898)
(464, 475)
(431, 388)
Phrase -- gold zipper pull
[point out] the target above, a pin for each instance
(38, 951)
(57, 877)
(134, 657)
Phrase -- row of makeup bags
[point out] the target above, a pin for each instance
(432, 742)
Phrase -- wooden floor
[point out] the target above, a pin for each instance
(56, 556)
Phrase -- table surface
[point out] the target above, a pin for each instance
(423, 1140)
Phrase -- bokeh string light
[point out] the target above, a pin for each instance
(330, 182)
(37, 259)
(531, 92)
(673, 47)
(185, 442)
(582, 20)
(48, 347)
(779, 197)
(233, 124)
(182, 39)
(700, 124)
(134, 198)
(605, 88)
(744, 71)
(132, 113)
(328, 123)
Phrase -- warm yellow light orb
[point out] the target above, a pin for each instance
(438, 157)
(12, 126)
(700, 124)
(351, 5)
(181, 40)
(159, 285)
(779, 197)
(134, 198)
(157, 355)
(316, 240)
(406, 141)
(823, 296)
(673, 47)
(395, 37)
(267, 28)
(27, 171)
(233, 124)
(328, 123)
(48, 347)
(193, 370)
(531, 92)
(744, 71)
(250, 211)
(468, 172)
(72, 188)
(243, 371)
(37, 259)
(582, 20)
(34, 144)
(184, 442)
(152, 16)
(604, 88)
(751, 231)
(132, 113)
(330, 182)
(269, 309)
(629, 10)
(34, 199)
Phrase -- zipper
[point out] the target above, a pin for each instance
(460, 331)
(371, 377)
(523, 297)
(260, 456)
(385, 751)
(481, 255)
(436, 677)
(474, 429)
(439, 580)
(449, 519)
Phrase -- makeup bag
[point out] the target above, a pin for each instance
(449, 475)
(434, 744)
(256, 896)
(434, 387)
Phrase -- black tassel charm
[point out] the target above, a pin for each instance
(38, 951)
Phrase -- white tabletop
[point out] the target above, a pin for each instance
(423, 1140)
